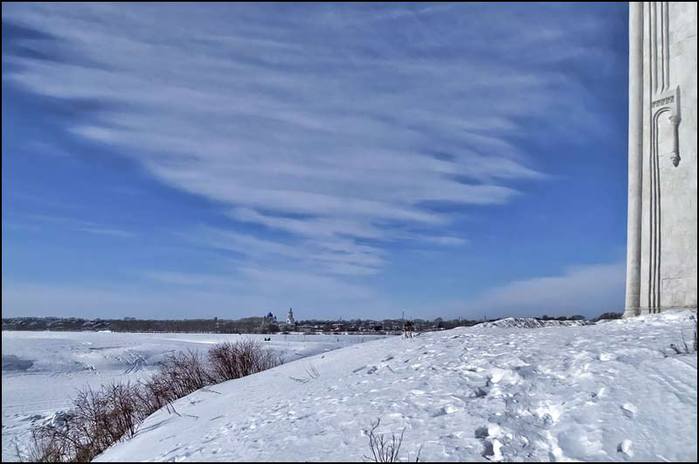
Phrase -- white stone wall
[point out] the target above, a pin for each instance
(664, 271)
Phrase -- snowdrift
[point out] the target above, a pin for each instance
(529, 323)
(612, 391)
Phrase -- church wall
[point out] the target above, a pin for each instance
(668, 238)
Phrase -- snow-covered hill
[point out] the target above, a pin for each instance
(42, 371)
(610, 391)
(529, 323)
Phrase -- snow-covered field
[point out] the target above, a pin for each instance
(611, 391)
(42, 370)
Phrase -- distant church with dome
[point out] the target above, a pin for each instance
(270, 319)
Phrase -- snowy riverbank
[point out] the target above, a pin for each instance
(41, 371)
(610, 391)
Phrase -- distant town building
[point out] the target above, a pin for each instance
(290, 317)
(269, 323)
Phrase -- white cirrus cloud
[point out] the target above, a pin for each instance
(335, 125)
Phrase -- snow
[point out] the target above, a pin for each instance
(41, 371)
(609, 391)
(529, 323)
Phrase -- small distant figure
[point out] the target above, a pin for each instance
(408, 329)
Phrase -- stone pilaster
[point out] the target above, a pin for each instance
(635, 153)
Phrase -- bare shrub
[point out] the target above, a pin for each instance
(91, 426)
(47, 446)
(153, 394)
(383, 449)
(100, 418)
(122, 410)
(234, 360)
(680, 349)
(311, 373)
(685, 348)
(185, 373)
(75, 438)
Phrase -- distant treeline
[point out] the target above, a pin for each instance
(247, 325)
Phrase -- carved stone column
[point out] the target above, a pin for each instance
(635, 153)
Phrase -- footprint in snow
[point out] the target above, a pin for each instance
(451, 409)
(629, 410)
(625, 448)
(601, 393)
(491, 445)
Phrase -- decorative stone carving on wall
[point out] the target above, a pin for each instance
(659, 46)
(662, 212)
(664, 139)
(664, 148)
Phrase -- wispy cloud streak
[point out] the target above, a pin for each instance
(334, 127)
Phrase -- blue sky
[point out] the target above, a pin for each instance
(348, 160)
